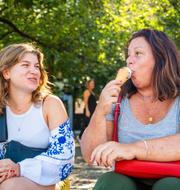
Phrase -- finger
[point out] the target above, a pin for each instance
(113, 82)
(96, 154)
(111, 88)
(114, 92)
(110, 146)
(3, 177)
(4, 169)
(10, 173)
(99, 153)
(104, 156)
(114, 156)
(114, 100)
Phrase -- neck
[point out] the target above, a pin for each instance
(19, 103)
(146, 95)
(90, 90)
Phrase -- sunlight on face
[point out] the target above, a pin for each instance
(141, 61)
(25, 75)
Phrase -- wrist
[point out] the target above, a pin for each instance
(100, 111)
(141, 150)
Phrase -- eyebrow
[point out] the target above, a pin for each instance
(137, 47)
(28, 62)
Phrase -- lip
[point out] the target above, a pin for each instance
(133, 77)
(34, 80)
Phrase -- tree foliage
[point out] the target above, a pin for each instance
(83, 39)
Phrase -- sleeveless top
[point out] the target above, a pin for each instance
(131, 130)
(91, 103)
(28, 128)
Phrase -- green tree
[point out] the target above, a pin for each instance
(83, 39)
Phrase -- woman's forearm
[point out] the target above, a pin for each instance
(161, 149)
(94, 134)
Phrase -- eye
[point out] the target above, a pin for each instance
(25, 64)
(138, 53)
(37, 66)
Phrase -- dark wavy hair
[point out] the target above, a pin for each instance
(166, 73)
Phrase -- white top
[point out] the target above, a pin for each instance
(50, 166)
(28, 128)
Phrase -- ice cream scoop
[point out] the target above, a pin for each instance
(123, 74)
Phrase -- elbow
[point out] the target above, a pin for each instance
(86, 156)
(86, 146)
(86, 153)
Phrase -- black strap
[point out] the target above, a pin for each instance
(3, 127)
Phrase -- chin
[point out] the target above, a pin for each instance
(136, 83)
(32, 89)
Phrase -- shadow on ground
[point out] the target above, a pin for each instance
(84, 176)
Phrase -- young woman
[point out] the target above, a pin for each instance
(35, 119)
(149, 122)
(89, 99)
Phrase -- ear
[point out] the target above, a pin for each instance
(6, 74)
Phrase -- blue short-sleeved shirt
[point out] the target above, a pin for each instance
(131, 130)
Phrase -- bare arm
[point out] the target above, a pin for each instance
(162, 149)
(86, 95)
(99, 130)
(94, 134)
(54, 112)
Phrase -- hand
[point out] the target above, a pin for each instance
(109, 95)
(8, 169)
(106, 154)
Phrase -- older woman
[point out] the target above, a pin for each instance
(149, 118)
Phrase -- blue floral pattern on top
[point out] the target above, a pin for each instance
(61, 142)
(56, 164)
(61, 147)
(65, 171)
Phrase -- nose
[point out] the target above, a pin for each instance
(34, 69)
(130, 62)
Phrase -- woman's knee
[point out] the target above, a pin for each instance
(167, 183)
(112, 180)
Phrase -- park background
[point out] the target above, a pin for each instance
(83, 39)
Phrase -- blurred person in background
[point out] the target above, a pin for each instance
(89, 99)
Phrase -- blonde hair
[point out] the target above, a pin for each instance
(10, 56)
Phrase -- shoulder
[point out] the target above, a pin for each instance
(52, 100)
(86, 92)
(54, 111)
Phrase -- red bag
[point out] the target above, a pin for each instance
(143, 169)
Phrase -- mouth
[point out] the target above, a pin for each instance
(34, 80)
(133, 77)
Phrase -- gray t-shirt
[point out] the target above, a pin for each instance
(131, 130)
